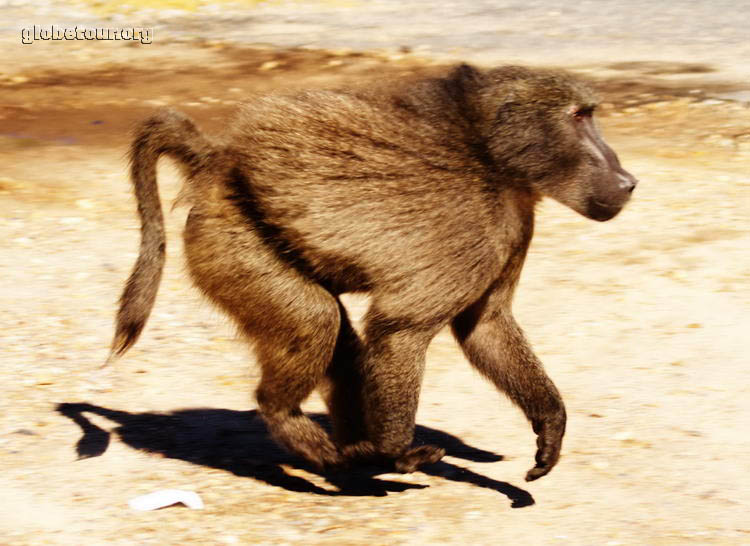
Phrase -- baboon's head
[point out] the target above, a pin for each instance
(539, 131)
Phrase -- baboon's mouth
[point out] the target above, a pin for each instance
(600, 211)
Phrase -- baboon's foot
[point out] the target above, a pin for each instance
(362, 452)
(304, 438)
(409, 461)
(417, 456)
(323, 455)
(549, 442)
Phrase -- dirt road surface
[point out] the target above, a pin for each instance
(642, 322)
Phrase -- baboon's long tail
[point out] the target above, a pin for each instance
(174, 134)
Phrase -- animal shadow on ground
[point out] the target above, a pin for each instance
(237, 441)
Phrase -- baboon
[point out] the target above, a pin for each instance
(419, 192)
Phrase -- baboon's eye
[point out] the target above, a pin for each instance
(584, 112)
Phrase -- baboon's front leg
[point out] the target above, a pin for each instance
(391, 375)
(496, 346)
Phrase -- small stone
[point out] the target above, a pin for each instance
(740, 96)
(8, 183)
(677, 275)
(269, 65)
(154, 102)
(658, 104)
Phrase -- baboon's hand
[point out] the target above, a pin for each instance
(550, 433)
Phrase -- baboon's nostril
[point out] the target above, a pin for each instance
(627, 181)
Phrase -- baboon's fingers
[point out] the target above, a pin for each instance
(537, 472)
(546, 458)
(418, 456)
(549, 442)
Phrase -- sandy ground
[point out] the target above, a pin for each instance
(641, 322)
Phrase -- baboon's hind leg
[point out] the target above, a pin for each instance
(292, 322)
(293, 362)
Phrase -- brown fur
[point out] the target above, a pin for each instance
(421, 193)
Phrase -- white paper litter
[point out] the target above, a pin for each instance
(166, 497)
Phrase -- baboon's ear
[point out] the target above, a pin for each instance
(465, 79)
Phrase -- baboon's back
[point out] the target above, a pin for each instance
(329, 172)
